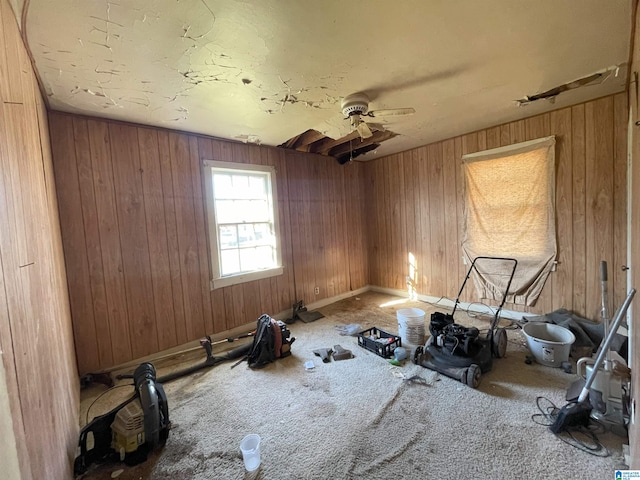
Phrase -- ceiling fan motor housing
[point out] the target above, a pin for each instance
(355, 104)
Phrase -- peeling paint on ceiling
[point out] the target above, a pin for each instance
(267, 71)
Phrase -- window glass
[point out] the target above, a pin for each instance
(241, 203)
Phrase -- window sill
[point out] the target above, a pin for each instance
(245, 277)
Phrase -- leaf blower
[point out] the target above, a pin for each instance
(131, 430)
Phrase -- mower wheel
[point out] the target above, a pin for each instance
(500, 343)
(473, 375)
(417, 355)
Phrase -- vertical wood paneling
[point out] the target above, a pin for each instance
(374, 219)
(412, 203)
(371, 221)
(9, 262)
(437, 220)
(204, 260)
(157, 237)
(339, 254)
(295, 209)
(329, 232)
(316, 226)
(493, 137)
(305, 271)
(618, 276)
(386, 226)
(133, 233)
(283, 284)
(590, 206)
(401, 225)
(105, 199)
(395, 262)
(634, 237)
(11, 89)
(92, 236)
(599, 200)
(60, 353)
(450, 192)
(36, 336)
(187, 234)
(137, 210)
(175, 264)
(425, 265)
(410, 215)
(578, 136)
(233, 312)
(562, 291)
(459, 199)
(68, 188)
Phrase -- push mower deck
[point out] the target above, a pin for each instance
(460, 352)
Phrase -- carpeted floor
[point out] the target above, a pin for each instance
(358, 419)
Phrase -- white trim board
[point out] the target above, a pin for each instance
(324, 302)
(474, 307)
(247, 327)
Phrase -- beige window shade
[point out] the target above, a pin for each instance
(510, 212)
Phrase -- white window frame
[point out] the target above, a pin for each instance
(219, 281)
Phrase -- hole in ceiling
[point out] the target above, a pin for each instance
(343, 149)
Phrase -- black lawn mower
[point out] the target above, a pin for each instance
(461, 352)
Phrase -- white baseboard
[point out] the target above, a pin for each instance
(247, 327)
(474, 307)
(324, 302)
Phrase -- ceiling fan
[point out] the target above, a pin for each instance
(356, 106)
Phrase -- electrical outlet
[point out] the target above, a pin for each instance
(316, 290)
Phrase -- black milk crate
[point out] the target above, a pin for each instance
(383, 348)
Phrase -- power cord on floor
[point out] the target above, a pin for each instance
(582, 438)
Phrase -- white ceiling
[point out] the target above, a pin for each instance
(265, 71)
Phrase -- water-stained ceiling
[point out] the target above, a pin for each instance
(270, 71)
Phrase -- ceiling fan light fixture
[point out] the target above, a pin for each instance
(364, 130)
(355, 104)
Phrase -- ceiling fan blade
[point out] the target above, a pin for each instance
(364, 130)
(391, 111)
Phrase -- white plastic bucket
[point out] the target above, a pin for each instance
(549, 343)
(411, 327)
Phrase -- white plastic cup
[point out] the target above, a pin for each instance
(250, 448)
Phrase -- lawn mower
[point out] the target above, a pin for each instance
(461, 352)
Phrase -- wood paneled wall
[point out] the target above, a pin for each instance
(135, 238)
(634, 102)
(415, 201)
(35, 324)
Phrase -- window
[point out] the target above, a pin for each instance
(243, 222)
(510, 212)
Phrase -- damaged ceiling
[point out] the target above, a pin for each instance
(274, 72)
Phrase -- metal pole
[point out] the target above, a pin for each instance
(605, 346)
